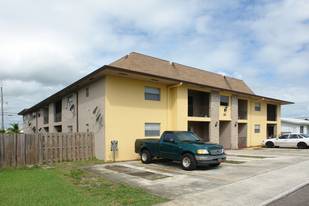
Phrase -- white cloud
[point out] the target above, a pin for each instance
(48, 44)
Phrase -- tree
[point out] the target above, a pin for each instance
(2, 131)
(13, 129)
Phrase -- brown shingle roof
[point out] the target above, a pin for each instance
(146, 64)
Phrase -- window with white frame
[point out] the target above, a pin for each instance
(257, 128)
(257, 107)
(152, 93)
(152, 129)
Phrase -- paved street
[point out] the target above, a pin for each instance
(297, 198)
(249, 177)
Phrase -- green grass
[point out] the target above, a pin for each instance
(67, 184)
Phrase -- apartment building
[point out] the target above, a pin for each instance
(139, 96)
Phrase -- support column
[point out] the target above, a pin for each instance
(214, 115)
(51, 117)
(234, 126)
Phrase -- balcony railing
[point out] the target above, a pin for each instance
(57, 117)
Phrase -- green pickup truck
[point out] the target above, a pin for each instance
(182, 146)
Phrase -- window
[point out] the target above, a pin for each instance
(293, 136)
(257, 128)
(152, 129)
(305, 135)
(87, 92)
(301, 129)
(257, 107)
(284, 137)
(169, 137)
(152, 93)
(224, 100)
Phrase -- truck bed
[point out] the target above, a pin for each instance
(152, 142)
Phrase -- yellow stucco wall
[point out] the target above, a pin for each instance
(260, 118)
(126, 112)
(256, 118)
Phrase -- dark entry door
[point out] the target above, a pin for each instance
(242, 135)
(242, 142)
(270, 131)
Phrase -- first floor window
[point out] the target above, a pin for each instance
(152, 93)
(152, 129)
(257, 128)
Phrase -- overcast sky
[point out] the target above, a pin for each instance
(46, 45)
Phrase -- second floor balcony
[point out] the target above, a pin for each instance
(242, 109)
(198, 104)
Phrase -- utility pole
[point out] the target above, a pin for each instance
(2, 113)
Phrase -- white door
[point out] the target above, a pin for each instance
(282, 141)
(293, 140)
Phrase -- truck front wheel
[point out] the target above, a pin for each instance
(146, 156)
(188, 162)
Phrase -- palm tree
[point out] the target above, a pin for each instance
(14, 129)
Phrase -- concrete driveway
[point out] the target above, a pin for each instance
(249, 177)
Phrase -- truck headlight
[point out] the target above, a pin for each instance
(202, 151)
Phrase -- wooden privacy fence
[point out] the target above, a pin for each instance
(28, 149)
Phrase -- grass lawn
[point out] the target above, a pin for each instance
(67, 184)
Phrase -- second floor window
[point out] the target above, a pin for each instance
(224, 101)
(257, 107)
(152, 93)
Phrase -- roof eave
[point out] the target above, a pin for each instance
(283, 102)
(75, 85)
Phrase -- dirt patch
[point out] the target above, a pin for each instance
(234, 162)
(136, 172)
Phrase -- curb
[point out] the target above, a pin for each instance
(298, 187)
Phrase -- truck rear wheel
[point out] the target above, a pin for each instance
(146, 156)
(188, 162)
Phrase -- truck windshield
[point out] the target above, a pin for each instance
(187, 137)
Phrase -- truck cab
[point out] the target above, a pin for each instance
(182, 146)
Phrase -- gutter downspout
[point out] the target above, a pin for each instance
(168, 102)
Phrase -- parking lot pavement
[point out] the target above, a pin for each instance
(248, 177)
